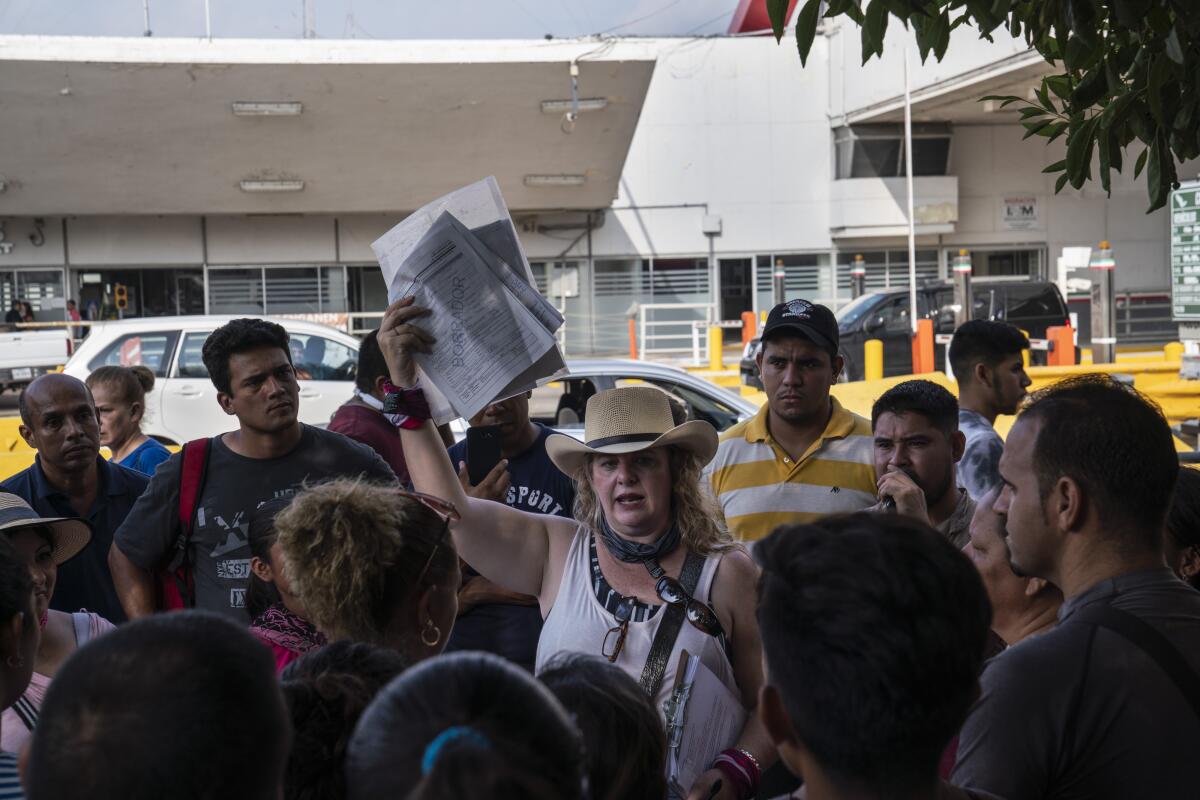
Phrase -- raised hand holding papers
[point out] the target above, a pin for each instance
(494, 331)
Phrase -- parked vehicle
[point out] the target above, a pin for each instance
(26, 354)
(183, 405)
(1032, 306)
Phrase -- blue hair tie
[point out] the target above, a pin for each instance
(434, 748)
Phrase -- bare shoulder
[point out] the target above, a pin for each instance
(737, 574)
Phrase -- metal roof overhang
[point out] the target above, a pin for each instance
(146, 126)
(958, 99)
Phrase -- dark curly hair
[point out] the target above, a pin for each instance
(326, 692)
(983, 341)
(239, 336)
(922, 397)
(873, 630)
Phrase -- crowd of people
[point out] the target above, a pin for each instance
(906, 606)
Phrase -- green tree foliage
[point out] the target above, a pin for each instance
(1130, 72)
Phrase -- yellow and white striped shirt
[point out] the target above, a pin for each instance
(759, 486)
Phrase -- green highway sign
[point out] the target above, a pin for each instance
(1185, 252)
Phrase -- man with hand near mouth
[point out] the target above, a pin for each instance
(271, 455)
(917, 447)
(802, 456)
(491, 618)
(69, 478)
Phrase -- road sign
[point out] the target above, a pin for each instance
(1185, 252)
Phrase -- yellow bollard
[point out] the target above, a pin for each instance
(716, 343)
(873, 359)
(1173, 351)
(1024, 353)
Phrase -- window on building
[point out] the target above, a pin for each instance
(886, 268)
(277, 290)
(877, 151)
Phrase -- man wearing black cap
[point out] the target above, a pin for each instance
(802, 456)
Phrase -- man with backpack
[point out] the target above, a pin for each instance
(1107, 704)
(184, 543)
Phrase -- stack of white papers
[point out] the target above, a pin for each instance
(460, 256)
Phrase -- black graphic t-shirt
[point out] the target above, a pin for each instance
(234, 486)
(537, 486)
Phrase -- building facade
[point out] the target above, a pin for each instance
(711, 164)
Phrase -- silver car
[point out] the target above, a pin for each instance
(183, 404)
(561, 403)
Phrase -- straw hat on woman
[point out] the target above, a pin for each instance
(644, 555)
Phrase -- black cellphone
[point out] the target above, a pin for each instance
(483, 452)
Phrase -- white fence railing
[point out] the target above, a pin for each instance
(673, 334)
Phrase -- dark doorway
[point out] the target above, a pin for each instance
(737, 287)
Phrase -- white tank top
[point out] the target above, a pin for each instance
(578, 623)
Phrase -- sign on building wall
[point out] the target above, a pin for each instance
(1185, 252)
(1019, 212)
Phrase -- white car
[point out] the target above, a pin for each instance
(183, 405)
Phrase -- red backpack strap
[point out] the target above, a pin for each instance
(191, 481)
(178, 585)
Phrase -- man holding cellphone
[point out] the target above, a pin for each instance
(491, 618)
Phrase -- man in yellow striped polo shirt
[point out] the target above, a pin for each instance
(802, 456)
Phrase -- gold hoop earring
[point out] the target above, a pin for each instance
(437, 634)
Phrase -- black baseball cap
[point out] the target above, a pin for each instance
(812, 321)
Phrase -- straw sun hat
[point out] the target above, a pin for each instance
(70, 535)
(626, 420)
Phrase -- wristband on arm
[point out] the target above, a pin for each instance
(409, 405)
(741, 768)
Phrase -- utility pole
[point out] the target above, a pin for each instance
(310, 19)
(146, 18)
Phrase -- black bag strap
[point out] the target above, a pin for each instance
(1151, 642)
(668, 629)
(26, 711)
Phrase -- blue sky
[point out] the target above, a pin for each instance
(371, 19)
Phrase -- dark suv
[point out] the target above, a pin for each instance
(1031, 306)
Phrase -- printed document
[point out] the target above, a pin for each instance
(703, 719)
(494, 332)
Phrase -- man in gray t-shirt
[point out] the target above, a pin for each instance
(990, 370)
(1084, 711)
(233, 488)
(271, 454)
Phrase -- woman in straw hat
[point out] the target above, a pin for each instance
(44, 543)
(643, 573)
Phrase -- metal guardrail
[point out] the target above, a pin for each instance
(648, 329)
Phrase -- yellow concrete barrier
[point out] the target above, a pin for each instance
(1173, 351)
(873, 359)
(1178, 399)
(1146, 374)
(716, 348)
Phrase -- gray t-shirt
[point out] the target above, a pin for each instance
(979, 469)
(234, 487)
(1081, 712)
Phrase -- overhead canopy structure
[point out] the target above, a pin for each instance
(958, 100)
(148, 126)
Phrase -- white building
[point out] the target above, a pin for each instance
(709, 161)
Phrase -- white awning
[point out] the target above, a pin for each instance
(147, 126)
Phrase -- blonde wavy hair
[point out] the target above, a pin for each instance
(693, 509)
(354, 551)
